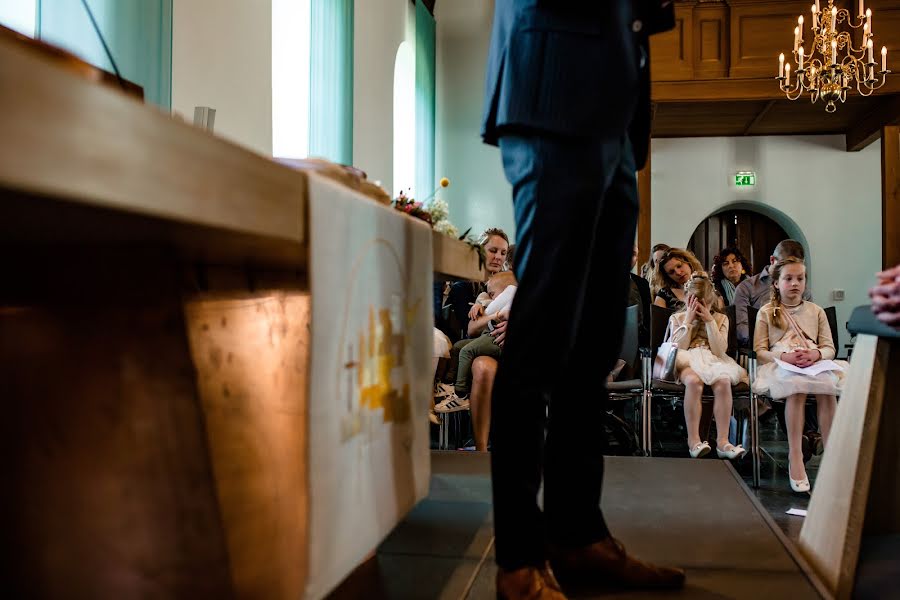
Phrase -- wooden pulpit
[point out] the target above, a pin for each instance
(851, 535)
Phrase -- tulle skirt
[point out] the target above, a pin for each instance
(709, 367)
(441, 344)
(776, 382)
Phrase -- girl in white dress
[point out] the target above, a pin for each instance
(701, 334)
(796, 332)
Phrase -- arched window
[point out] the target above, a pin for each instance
(405, 120)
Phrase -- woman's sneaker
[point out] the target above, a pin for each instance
(452, 403)
(442, 390)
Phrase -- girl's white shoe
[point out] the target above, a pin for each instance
(701, 449)
(800, 486)
(730, 452)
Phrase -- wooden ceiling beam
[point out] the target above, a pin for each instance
(868, 129)
(759, 117)
(726, 90)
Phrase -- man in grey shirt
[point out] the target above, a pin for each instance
(756, 291)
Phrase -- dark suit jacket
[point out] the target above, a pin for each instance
(643, 287)
(576, 68)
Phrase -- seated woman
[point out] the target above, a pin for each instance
(672, 272)
(649, 267)
(729, 269)
(463, 294)
(701, 334)
(468, 301)
(502, 289)
(791, 332)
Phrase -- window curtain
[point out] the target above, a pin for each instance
(425, 92)
(331, 80)
(138, 33)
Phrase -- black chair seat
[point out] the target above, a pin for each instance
(667, 387)
(628, 385)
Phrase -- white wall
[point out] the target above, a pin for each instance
(479, 196)
(222, 58)
(380, 27)
(833, 196)
(20, 15)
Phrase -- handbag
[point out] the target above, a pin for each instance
(664, 362)
(808, 342)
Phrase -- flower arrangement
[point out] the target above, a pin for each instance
(431, 210)
(436, 213)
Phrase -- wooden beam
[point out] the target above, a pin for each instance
(759, 116)
(644, 240)
(890, 196)
(722, 90)
(868, 129)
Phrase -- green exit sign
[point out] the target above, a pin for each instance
(744, 178)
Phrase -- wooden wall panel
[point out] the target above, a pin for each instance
(886, 24)
(759, 31)
(711, 51)
(672, 52)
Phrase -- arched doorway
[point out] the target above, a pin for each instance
(754, 233)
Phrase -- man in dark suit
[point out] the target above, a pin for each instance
(640, 295)
(567, 81)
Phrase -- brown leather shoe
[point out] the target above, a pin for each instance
(607, 564)
(528, 583)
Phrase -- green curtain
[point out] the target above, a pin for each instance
(425, 92)
(138, 32)
(331, 80)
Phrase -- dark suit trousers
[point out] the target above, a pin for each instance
(576, 211)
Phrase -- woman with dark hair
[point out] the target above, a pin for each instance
(730, 267)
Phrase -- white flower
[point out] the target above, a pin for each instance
(439, 210)
(447, 228)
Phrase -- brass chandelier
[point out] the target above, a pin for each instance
(834, 65)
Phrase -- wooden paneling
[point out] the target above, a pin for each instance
(886, 24)
(758, 31)
(682, 119)
(672, 52)
(890, 199)
(884, 111)
(711, 24)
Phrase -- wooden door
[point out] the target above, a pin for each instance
(755, 234)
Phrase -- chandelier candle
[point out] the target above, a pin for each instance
(828, 64)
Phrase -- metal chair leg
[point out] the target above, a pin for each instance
(646, 398)
(754, 425)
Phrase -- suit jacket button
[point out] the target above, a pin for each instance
(637, 26)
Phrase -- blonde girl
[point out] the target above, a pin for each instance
(701, 333)
(797, 333)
